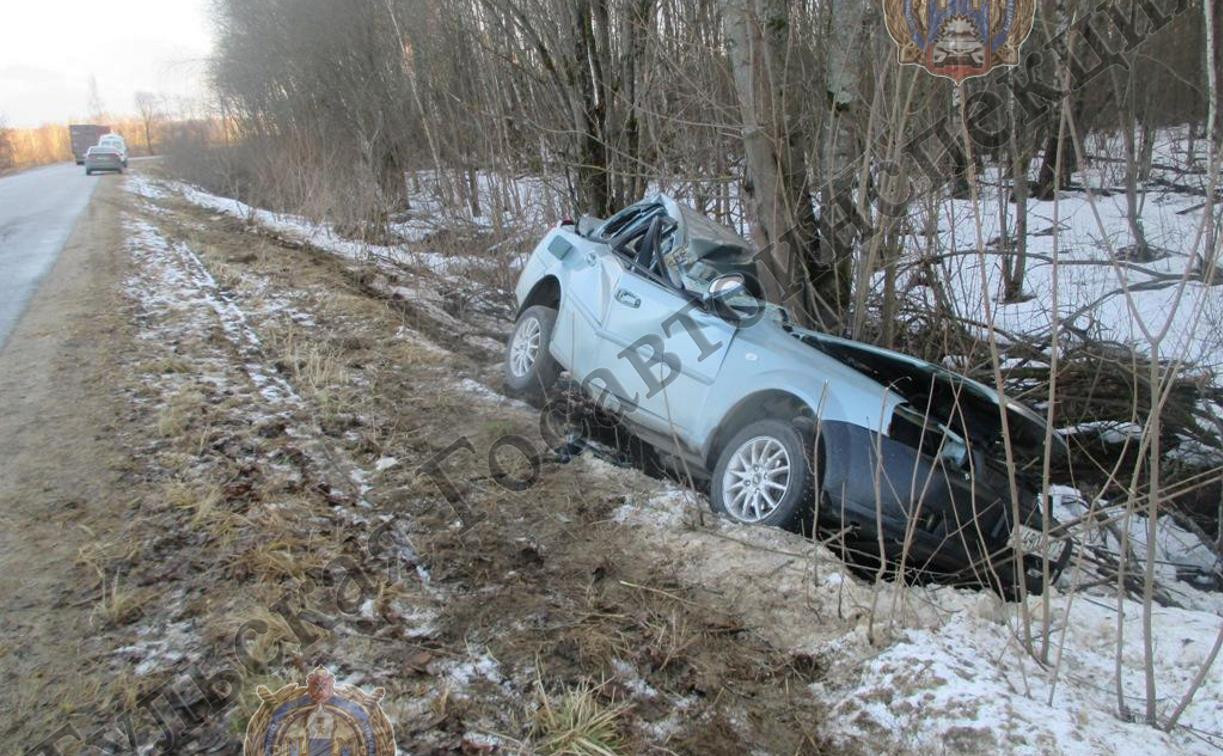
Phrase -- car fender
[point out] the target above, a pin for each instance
(869, 405)
(539, 264)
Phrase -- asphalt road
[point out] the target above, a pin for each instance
(38, 210)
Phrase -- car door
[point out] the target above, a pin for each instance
(664, 352)
(591, 274)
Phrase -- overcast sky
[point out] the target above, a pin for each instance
(51, 48)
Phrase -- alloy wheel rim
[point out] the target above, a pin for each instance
(756, 479)
(525, 347)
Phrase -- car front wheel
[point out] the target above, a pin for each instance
(763, 476)
(530, 369)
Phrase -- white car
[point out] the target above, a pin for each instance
(116, 143)
(655, 312)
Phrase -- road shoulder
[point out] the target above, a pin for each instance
(59, 476)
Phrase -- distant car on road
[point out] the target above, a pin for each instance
(101, 158)
(84, 136)
(116, 142)
(659, 310)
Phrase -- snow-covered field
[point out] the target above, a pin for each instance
(1088, 234)
(935, 669)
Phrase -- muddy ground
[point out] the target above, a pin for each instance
(218, 475)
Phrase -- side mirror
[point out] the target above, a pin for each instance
(727, 286)
(723, 291)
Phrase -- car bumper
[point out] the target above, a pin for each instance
(103, 166)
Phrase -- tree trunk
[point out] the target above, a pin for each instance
(589, 111)
(1215, 52)
(1017, 262)
(1140, 251)
(1057, 141)
(776, 187)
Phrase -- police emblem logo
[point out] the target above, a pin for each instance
(319, 718)
(959, 39)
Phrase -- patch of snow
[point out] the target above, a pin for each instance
(320, 235)
(967, 687)
(483, 667)
(476, 388)
(671, 507)
(631, 679)
(1109, 431)
(143, 186)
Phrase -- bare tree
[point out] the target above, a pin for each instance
(775, 146)
(148, 105)
(97, 111)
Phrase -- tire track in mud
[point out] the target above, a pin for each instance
(540, 586)
(436, 317)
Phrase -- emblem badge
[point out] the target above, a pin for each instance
(959, 39)
(319, 717)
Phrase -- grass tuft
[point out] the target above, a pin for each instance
(577, 723)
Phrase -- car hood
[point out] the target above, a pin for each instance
(953, 399)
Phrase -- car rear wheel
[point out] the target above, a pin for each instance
(764, 476)
(530, 369)
(88, 172)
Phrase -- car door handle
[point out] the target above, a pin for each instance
(628, 298)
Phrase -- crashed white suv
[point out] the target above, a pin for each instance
(658, 309)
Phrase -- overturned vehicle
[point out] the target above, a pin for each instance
(657, 313)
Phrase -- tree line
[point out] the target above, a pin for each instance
(788, 118)
(156, 119)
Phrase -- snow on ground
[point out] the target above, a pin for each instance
(531, 200)
(1091, 275)
(143, 186)
(398, 263)
(945, 671)
(300, 229)
(968, 686)
(1184, 563)
(185, 284)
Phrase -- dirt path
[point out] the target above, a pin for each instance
(60, 474)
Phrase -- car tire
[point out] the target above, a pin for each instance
(530, 369)
(748, 493)
(88, 172)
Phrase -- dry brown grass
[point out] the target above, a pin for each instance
(118, 604)
(575, 722)
(277, 559)
(312, 364)
(177, 414)
(167, 364)
(201, 503)
(96, 556)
